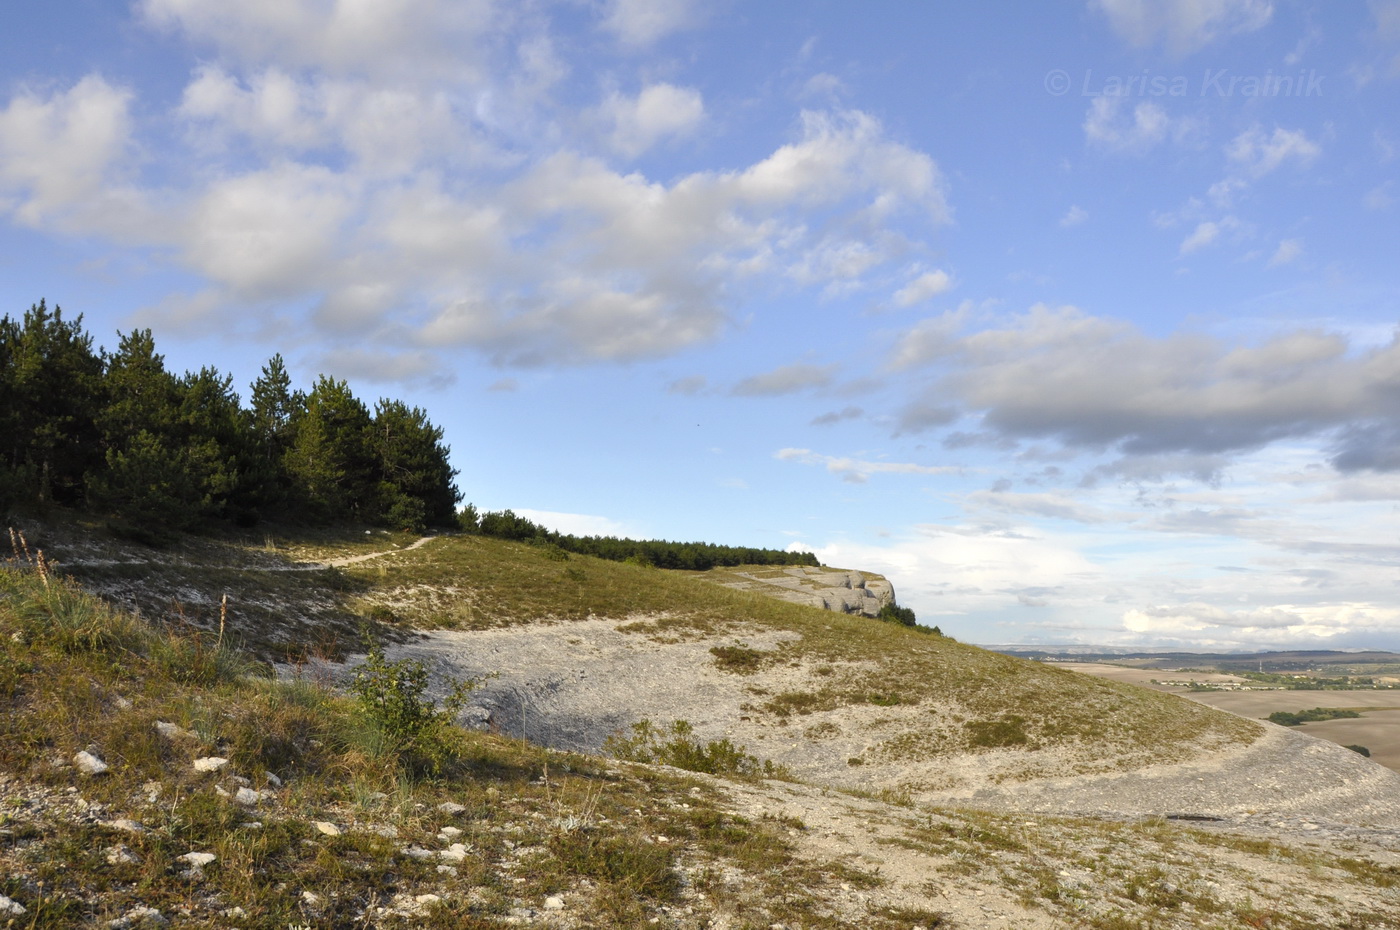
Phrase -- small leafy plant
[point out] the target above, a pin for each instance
(677, 746)
(393, 696)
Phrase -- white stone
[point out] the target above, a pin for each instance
(140, 917)
(248, 797)
(329, 829)
(210, 763)
(449, 833)
(196, 859)
(451, 808)
(554, 903)
(13, 908)
(90, 764)
(272, 779)
(454, 853)
(121, 855)
(125, 825)
(233, 913)
(418, 852)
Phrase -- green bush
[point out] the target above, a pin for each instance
(1360, 749)
(392, 697)
(683, 751)
(1286, 719)
(893, 613)
(738, 658)
(997, 734)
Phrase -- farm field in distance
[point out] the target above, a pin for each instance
(1378, 727)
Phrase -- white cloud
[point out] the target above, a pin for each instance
(659, 112)
(272, 233)
(1288, 251)
(1074, 216)
(1111, 124)
(1099, 384)
(1379, 197)
(62, 158)
(640, 23)
(1055, 505)
(858, 471)
(395, 39)
(690, 385)
(576, 524)
(1259, 153)
(787, 379)
(1203, 235)
(1183, 25)
(927, 285)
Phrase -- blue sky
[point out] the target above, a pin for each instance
(1076, 319)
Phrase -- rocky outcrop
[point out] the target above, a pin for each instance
(849, 592)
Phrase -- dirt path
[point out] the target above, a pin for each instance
(356, 559)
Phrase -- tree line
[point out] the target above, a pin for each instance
(693, 556)
(117, 434)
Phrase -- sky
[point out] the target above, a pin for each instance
(1076, 319)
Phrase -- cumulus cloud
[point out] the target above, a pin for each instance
(1074, 216)
(1288, 251)
(640, 23)
(689, 385)
(1106, 126)
(927, 285)
(1183, 26)
(1056, 505)
(62, 158)
(1259, 153)
(577, 524)
(659, 112)
(838, 416)
(1093, 383)
(395, 39)
(858, 471)
(1203, 235)
(786, 379)
(359, 199)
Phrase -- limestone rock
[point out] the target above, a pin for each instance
(845, 591)
(10, 908)
(248, 797)
(210, 763)
(121, 854)
(326, 827)
(90, 764)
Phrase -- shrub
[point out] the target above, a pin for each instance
(996, 734)
(683, 751)
(1286, 719)
(1360, 749)
(392, 697)
(738, 658)
(893, 613)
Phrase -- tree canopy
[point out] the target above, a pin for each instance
(154, 452)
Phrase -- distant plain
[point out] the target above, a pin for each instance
(1378, 727)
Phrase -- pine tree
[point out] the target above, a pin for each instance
(330, 461)
(50, 395)
(416, 489)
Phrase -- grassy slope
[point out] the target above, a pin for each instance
(975, 700)
(75, 674)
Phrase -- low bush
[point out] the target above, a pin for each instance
(739, 658)
(677, 746)
(1286, 719)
